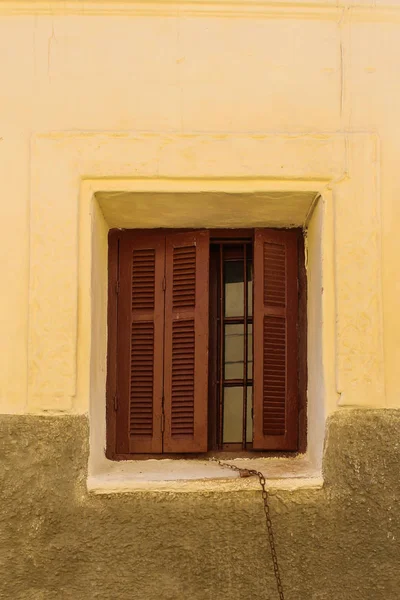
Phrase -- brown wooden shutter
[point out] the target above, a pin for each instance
(140, 343)
(186, 342)
(275, 383)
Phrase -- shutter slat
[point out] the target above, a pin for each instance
(143, 278)
(275, 340)
(271, 387)
(182, 379)
(184, 277)
(186, 342)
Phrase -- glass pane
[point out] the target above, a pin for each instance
(233, 414)
(249, 289)
(234, 288)
(234, 351)
(249, 418)
(249, 351)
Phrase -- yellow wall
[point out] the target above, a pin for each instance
(189, 78)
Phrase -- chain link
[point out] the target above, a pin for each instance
(250, 473)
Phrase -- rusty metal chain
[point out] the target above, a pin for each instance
(250, 473)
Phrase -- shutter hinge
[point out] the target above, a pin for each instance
(164, 285)
(117, 287)
(116, 402)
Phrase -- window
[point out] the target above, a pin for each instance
(206, 342)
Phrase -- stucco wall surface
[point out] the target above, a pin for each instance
(164, 68)
(58, 542)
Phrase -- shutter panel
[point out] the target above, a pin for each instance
(275, 340)
(186, 342)
(140, 343)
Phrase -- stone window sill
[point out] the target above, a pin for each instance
(201, 476)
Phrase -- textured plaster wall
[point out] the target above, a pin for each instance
(57, 542)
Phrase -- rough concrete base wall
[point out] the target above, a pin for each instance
(57, 542)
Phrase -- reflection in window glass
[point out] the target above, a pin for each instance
(234, 351)
(234, 288)
(233, 415)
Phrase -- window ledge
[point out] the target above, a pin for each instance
(169, 475)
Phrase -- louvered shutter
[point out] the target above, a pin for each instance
(140, 343)
(275, 340)
(186, 342)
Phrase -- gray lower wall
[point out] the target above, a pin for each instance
(338, 543)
